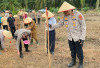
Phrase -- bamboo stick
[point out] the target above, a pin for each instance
(48, 39)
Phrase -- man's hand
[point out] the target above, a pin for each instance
(81, 42)
(48, 25)
(18, 53)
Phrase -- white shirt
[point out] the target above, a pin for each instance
(52, 21)
(7, 15)
(2, 38)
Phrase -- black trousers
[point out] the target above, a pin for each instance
(34, 20)
(52, 40)
(38, 20)
(13, 31)
(25, 45)
(5, 27)
(0, 25)
(0, 45)
(76, 49)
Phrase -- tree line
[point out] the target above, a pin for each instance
(15, 5)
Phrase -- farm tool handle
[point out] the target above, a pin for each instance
(48, 39)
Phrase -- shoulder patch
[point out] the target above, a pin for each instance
(80, 17)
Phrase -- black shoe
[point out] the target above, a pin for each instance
(72, 63)
(21, 56)
(80, 64)
(28, 51)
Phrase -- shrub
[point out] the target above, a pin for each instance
(85, 9)
(53, 9)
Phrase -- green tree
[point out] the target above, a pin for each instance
(97, 4)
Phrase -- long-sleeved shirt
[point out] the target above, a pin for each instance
(19, 34)
(4, 21)
(52, 21)
(75, 25)
(2, 38)
(11, 21)
(38, 15)
(33, 15)
(7, 15)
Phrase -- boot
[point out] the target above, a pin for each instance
(27, 50)
(37, 43)
(72, 63)
(21, 55)
(31, 43)
(80, 64)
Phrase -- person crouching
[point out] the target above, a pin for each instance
(22, 34)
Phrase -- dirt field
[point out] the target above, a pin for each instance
(38, 57)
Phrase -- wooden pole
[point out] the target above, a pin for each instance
(48, 39)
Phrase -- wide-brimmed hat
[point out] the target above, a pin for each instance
(20, 13)
(49, 14)
(15, 16)
(7, 34)
(65, 7)
(28, 20)
(6, 11)
(25, 12)
(33, 11)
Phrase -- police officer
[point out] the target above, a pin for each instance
(22, 34)
(76, 27)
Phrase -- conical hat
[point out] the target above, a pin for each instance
(15, 15)
(20, 13)
(7, 34)
(33, 11)
(6, 11)
(49, 14)
(28, 20)
(65, 7)
(25, 12)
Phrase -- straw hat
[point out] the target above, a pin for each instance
(65, 7)
(15, 15)
(49, 14)
(7, 34)
(25, 12)
(20, 13)
(28, 20)
(33, 11)
(6, 11)
(3, 14)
